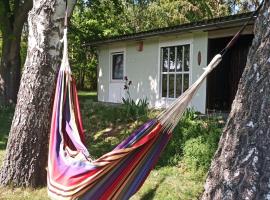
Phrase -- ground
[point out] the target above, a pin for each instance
(107, 125)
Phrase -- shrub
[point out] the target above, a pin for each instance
(194, 141)
(198, 153)
(135, 110)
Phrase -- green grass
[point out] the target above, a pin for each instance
(23, 194)
(106, 125)
(171, 183)
(86, 96)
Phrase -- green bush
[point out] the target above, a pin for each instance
(194, 141)
(197, 153)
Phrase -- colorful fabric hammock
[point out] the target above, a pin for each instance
(119, 173)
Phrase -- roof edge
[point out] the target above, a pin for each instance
(181, 28)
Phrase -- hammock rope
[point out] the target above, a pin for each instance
(119, 174)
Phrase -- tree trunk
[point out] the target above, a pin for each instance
(81, 79)
(13, 15)
(10, 68)
(241, 165)
(26, 157)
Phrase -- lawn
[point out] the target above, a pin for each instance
(180, 174)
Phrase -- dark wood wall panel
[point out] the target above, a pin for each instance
(222, 83)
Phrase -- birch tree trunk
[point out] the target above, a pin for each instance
(241, 165)
(26, 157)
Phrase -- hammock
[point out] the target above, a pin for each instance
(121, 172)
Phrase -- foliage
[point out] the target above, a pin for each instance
(163, 13)
(194, 142)
(23, 44)
(90, 21)
(135, 110)
(242, 6)
(198, 153)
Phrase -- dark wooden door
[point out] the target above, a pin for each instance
(222, 83)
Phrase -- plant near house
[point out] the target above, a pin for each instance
(194, 142)
(132, 109)
(127, 86)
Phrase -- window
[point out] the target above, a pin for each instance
(175, 66)
(117, 66)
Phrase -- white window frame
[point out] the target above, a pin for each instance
(111, 53)
(173, 44)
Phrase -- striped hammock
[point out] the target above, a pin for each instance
(119, 173)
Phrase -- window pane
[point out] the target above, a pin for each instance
(171, 85)
(117, 66)
(165, 62)
(175, 63)
(172, 59)
(178, 85)
(164, 85)
(186, 81)
(179, 59)
(186, 58)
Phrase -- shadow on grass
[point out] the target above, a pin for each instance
(150, 194)
(106, 138)
(106, 126)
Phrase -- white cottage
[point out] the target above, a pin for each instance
(162, 63)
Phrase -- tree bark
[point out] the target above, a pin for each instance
(26, 157)
(11, 25)
(241, 166)
(10, 70)
(81, 79)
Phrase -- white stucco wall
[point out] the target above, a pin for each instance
(103, 75)
(143, 69)
(200, 44)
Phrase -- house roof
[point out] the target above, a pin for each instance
(204, 25)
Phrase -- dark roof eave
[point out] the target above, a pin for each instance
(176, 29)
